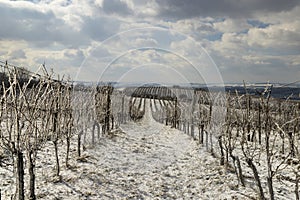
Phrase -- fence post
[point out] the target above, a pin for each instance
(192, 129)
(175, 114)
(123, 120)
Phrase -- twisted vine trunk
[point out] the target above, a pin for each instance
(68, 152)
(297, 186)
(238, 168)
(222, 159)
(79, 143)
(257, 178)
(56, 158)
(20, 176)
(55, 142)
(31, 177)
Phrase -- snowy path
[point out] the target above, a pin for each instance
(145, 160)
(151, 161)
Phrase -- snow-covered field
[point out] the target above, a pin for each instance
(143, 160)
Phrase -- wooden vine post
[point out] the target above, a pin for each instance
(175, 113)
(103, 106)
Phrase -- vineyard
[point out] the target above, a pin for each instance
(254, 138)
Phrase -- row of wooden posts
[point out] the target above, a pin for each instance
(170, 110)
(246, 121)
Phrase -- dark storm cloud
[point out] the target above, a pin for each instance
(100, 28)
(218, 8)
(116, 7)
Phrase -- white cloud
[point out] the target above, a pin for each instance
(198, 28)
(232, 25)
(280, 36)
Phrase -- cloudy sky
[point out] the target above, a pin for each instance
(155, 40)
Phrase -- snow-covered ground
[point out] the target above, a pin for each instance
(144, 160)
